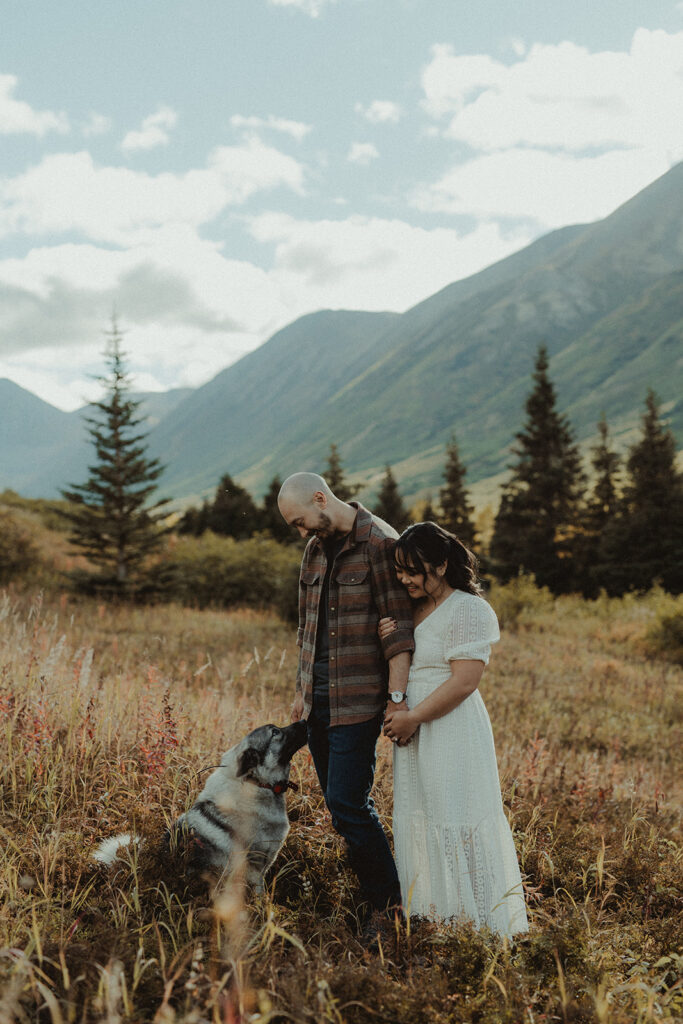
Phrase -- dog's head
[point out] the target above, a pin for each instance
(265, 754)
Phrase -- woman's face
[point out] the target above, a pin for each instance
(420, 584)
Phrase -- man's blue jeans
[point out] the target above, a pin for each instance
(344, 758)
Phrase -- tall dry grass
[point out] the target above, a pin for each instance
(107, 714)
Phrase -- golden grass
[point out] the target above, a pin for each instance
(107, 714)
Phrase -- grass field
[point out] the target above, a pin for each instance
(106, 716)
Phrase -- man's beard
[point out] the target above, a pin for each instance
(323, 528)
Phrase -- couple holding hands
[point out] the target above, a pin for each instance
(377, 610)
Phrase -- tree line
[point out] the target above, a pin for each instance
(623, 532)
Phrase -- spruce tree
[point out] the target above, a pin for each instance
(644, 542)
(336, 479)
(535, 526)
(456, 510)
(112, 522)
(271, 517)
(601, 509)
(389, 505)
(429, 513)
(233, 512)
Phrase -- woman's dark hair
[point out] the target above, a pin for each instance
(429, 543)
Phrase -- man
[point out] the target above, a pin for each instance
(347, 583)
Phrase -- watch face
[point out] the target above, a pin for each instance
(397, 696)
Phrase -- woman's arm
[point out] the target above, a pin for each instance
(463, 680)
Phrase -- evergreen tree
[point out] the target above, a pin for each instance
(605, 499)
(456, 514)
(643, 544)
(195, 521)
(111, 521)
(601, 509)
(534, 529)
(389, 505)
(336, 479)
(429, 513)
(233, 512)
(271, 518)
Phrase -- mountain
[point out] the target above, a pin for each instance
(605, 298)
(43, 449)
(32, 433)
(249, 409)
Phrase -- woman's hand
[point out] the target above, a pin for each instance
(400, 725)
(385, 627)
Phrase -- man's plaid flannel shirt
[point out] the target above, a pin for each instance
(362, 589)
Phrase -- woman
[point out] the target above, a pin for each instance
(454, 849)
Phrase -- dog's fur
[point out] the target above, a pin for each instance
(241, 810)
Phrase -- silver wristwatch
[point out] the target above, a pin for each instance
(397, 696)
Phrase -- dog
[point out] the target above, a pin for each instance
(241, 810)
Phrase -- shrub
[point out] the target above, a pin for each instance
(223, 572)
(517, 601)
(18, 554)
(664, 637)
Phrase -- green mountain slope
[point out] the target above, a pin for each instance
(243, 414)
(605, 298)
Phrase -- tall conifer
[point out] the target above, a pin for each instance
(535, 525)
(601, 510)
(271, 517)
(233, 512)
(389, 505)
(336, 479)
(112, 522)
(644, 543)
(456, 510)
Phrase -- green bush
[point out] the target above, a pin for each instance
(222, 572)
(664, 638)
(18, 554)
(516, 602)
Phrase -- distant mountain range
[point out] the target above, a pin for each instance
(605, 298)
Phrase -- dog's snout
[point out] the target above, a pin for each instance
(296, 736)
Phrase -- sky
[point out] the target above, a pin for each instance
(210, 170)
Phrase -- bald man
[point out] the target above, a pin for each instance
(346, 674)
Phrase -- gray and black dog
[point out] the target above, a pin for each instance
(241, 810)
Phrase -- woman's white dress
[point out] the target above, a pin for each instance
(454, 849)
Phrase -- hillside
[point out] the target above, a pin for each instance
(605, 298)
(43, 449)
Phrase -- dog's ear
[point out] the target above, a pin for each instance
(247, 760)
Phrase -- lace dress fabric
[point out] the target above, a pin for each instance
(454, 849)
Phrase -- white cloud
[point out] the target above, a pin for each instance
(371, 263)
(17, 117)
(67, 192)
(380, 111)
(297, 129)
(153, 131)
(190, 309)
(561, 135)
(97, 124)
(562, 96)
(310, 7)
(550, 188)
(362, 153)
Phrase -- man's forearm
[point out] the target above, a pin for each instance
(399, 667)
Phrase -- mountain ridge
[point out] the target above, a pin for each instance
(605, 298)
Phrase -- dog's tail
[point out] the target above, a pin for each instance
(107, 852)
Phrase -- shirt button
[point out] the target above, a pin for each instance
(332, 657)
(332, 633)
(332, 608)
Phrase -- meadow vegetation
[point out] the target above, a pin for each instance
(107, 714)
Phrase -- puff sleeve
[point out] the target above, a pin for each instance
(471, 630)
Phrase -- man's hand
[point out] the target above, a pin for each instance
(399, 724)
(298, 708)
